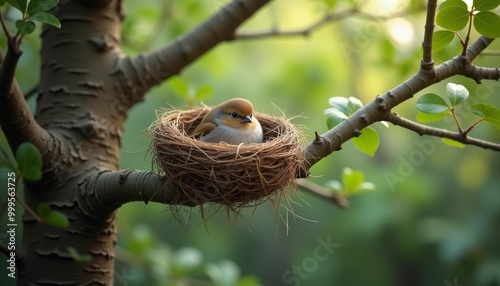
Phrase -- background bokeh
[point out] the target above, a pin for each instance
(434, 218)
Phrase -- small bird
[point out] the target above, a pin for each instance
(231, 122)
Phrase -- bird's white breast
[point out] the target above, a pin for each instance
(234, 136)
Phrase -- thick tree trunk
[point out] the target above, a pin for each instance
(81, 104)
(86, 88)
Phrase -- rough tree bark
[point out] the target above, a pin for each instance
(86, 89)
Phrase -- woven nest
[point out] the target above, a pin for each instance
(231, 175)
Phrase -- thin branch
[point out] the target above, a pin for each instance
(453, 114)
(478, 47)
(330, 17)
(16, 119)
(29, 210)
(30, 92)
(380, 108)
(472, 126)
(438, 132)
(427, 62)
(322, 192)
(4, 27)
(306, 31)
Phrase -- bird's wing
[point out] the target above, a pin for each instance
(203, 128)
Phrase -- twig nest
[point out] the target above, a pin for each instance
(232, 175)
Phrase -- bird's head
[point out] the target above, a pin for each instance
(236, 113)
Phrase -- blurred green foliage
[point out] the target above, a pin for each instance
(434, 218)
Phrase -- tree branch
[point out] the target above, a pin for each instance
(330, 17)
(422, 129)
(322, 192)
(16, 119)
(380, 108)
(114, 189)
(142, 72)
(306, 31)
(427, 62)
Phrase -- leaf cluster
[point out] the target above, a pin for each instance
(33, 11)
(433, 108)
(165, 266)
(353, 182)
(341, 108)
(455, 15)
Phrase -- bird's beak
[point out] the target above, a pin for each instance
(246, 119)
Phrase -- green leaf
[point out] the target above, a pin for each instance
(225, 273)
(456, 93)
(179, 86)
(481, 5)
(489, 112)
(367, 142)
(426, 117)
(37, 6)
(487, 24)
(29, 162)
(25, 28)
(187, 258)
(449, 3)
(452, 143)
(57, 219)
(335, 116)
(43, 210)
(334, 186)
(79, 257)
(354, 104)
(352, 180)
(249, 280)
(46, 18)
(453, 18)
(441, 39)
(431, 103)
(340, 103)
(50, 217)
(366, 187)
(204, 92)
(18, 4)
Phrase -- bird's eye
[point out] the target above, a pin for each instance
(234, 114)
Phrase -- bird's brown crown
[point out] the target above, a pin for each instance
(240, 105)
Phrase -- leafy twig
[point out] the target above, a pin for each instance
(453, 114)
(322, 192)
(467, 37)
(472, 126)
(422, 129)
(4, 27)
